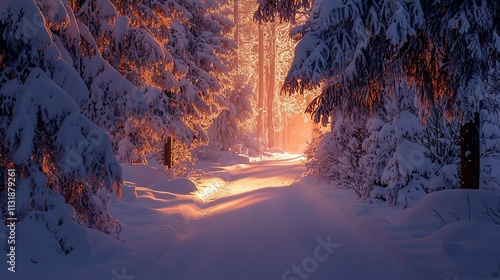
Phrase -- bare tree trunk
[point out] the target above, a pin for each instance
(237, 37)
(272, 84)
(260, 99)
(314, 126)
(167, 153)
(284, 132)
(470, 154)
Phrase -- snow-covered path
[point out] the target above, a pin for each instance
(262, 225)
(258, 221)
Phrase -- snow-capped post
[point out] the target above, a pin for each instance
(168, 152)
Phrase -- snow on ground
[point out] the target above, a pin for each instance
(455, 248)
(259, 218)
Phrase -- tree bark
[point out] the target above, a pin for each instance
(237, 37)
(260, 101)
(284, 133)
(167, 156)
(314, 126)
(272, 83)
(470, 154)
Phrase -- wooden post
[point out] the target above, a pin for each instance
(167, 153)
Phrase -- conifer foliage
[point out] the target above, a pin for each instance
(59, 155)
(86, 84)
(361, 53)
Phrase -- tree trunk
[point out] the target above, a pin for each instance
(167, 155)
(314, 132)
(272, 83)
(470, 154)
(260, 101)
(284, 133)
(237, 37)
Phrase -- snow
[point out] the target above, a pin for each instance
(497, 40)
(466, 246)
(177, 185)
(89, 81)
(327, 6)
(143, 175)
(26, 24)
(228, 158)
(30, 102)
(265, 220)
(121, 26)
(451, 201)
(275, 150)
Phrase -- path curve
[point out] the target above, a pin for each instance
(266, 225)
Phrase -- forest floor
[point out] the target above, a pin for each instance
(262, 219)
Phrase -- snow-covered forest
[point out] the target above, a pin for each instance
(410, 89)
(144, 139)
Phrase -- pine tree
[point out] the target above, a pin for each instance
(232, 127)
(445, 50)
(409, 165)
(113, 99)
(458, 46)
(286, 10)
(490, 132)
(59, 155)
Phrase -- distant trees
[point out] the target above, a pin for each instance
(258, 66)
(234, 122)
(275, 53)
(359, 51)
(193, 39)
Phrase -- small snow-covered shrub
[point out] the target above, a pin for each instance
(400, 159)
(336, 156)
(234, 123)
(490, 137)
(369, 152)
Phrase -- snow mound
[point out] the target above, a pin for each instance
(177, 185)
(275, 151)
(452, 205)
(141, 174)
(44, 248)
(441, 235)
(129, 193)
(228, 158)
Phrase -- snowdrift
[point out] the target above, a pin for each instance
(452, 231)
(177, 186)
